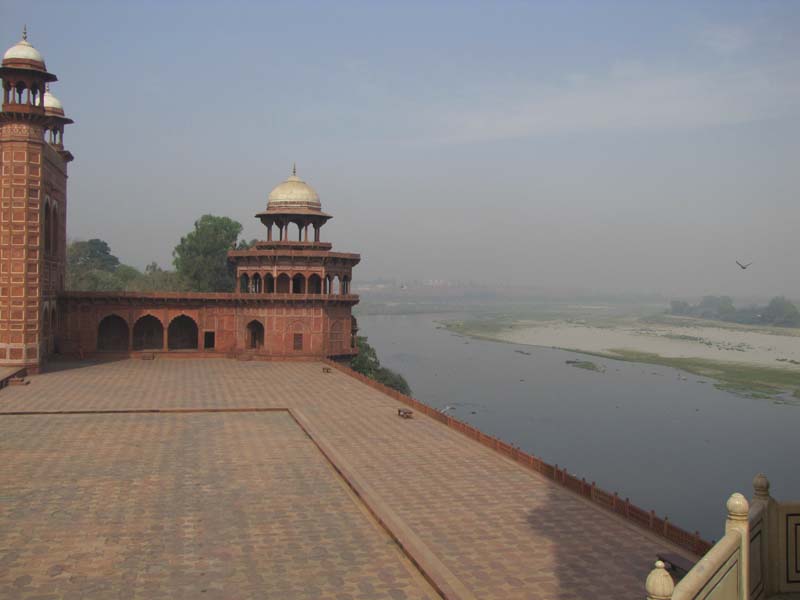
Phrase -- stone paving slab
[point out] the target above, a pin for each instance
(500, 529)
(184, 506)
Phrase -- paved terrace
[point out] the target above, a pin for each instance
(335, 497)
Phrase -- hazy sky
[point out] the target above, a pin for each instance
(635, 146)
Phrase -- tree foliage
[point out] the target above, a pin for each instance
(94, 254)
(92, 268)
(367, 363)
(201, 256)
(779, 312)
(156, 279)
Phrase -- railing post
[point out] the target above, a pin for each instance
(770, 573)
(659, 584)
(739, 521)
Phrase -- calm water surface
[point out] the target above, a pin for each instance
(667, 439)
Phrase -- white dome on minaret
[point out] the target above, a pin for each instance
(51, 103)
(24, 51)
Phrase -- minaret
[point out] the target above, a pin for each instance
(33, 208)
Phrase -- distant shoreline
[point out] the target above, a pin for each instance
(756, 363)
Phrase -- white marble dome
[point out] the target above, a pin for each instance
(293, 192)
(23, 50)
(52, 103)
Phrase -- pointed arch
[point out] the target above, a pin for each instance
(182, 333)
(148, 333)
(256, 284)
(297, 336)
(244, 284)
(54, 228)
(255, 335)
(45, 229)
(269, 284)
(113, 334)
(298, 284)
(314, 284)
(282, 284)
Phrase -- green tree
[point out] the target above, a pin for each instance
(92, 267)
(201, 256)
(91, 254)
(716, 307)
(679, 307)
(393, 380)
(366, 362)
(156, 279)
(781, 312)
(245, 245)
(127, 275)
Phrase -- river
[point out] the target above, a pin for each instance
(666, 439)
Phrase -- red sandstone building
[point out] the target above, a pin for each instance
(292, 298)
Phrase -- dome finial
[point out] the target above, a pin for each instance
(294, 169)
(25, 32)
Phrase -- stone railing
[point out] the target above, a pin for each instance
(611, 502)
(756, 559)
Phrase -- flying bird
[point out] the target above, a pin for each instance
(743, 267)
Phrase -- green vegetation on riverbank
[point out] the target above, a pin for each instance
(586, 365)
(749, 380)
(366, 362)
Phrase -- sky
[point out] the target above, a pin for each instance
(601, 146)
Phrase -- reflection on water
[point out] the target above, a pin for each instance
(667, 439)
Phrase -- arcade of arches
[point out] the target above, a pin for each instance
(225, 327)
(114, 335)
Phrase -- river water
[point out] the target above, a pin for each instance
(666, 439)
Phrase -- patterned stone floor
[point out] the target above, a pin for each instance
(244, 505)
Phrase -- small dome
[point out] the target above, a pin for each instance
(51, 103)
(295, 193)
(23, 50)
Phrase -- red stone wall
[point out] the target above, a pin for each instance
(224, 315)
(30, 172)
